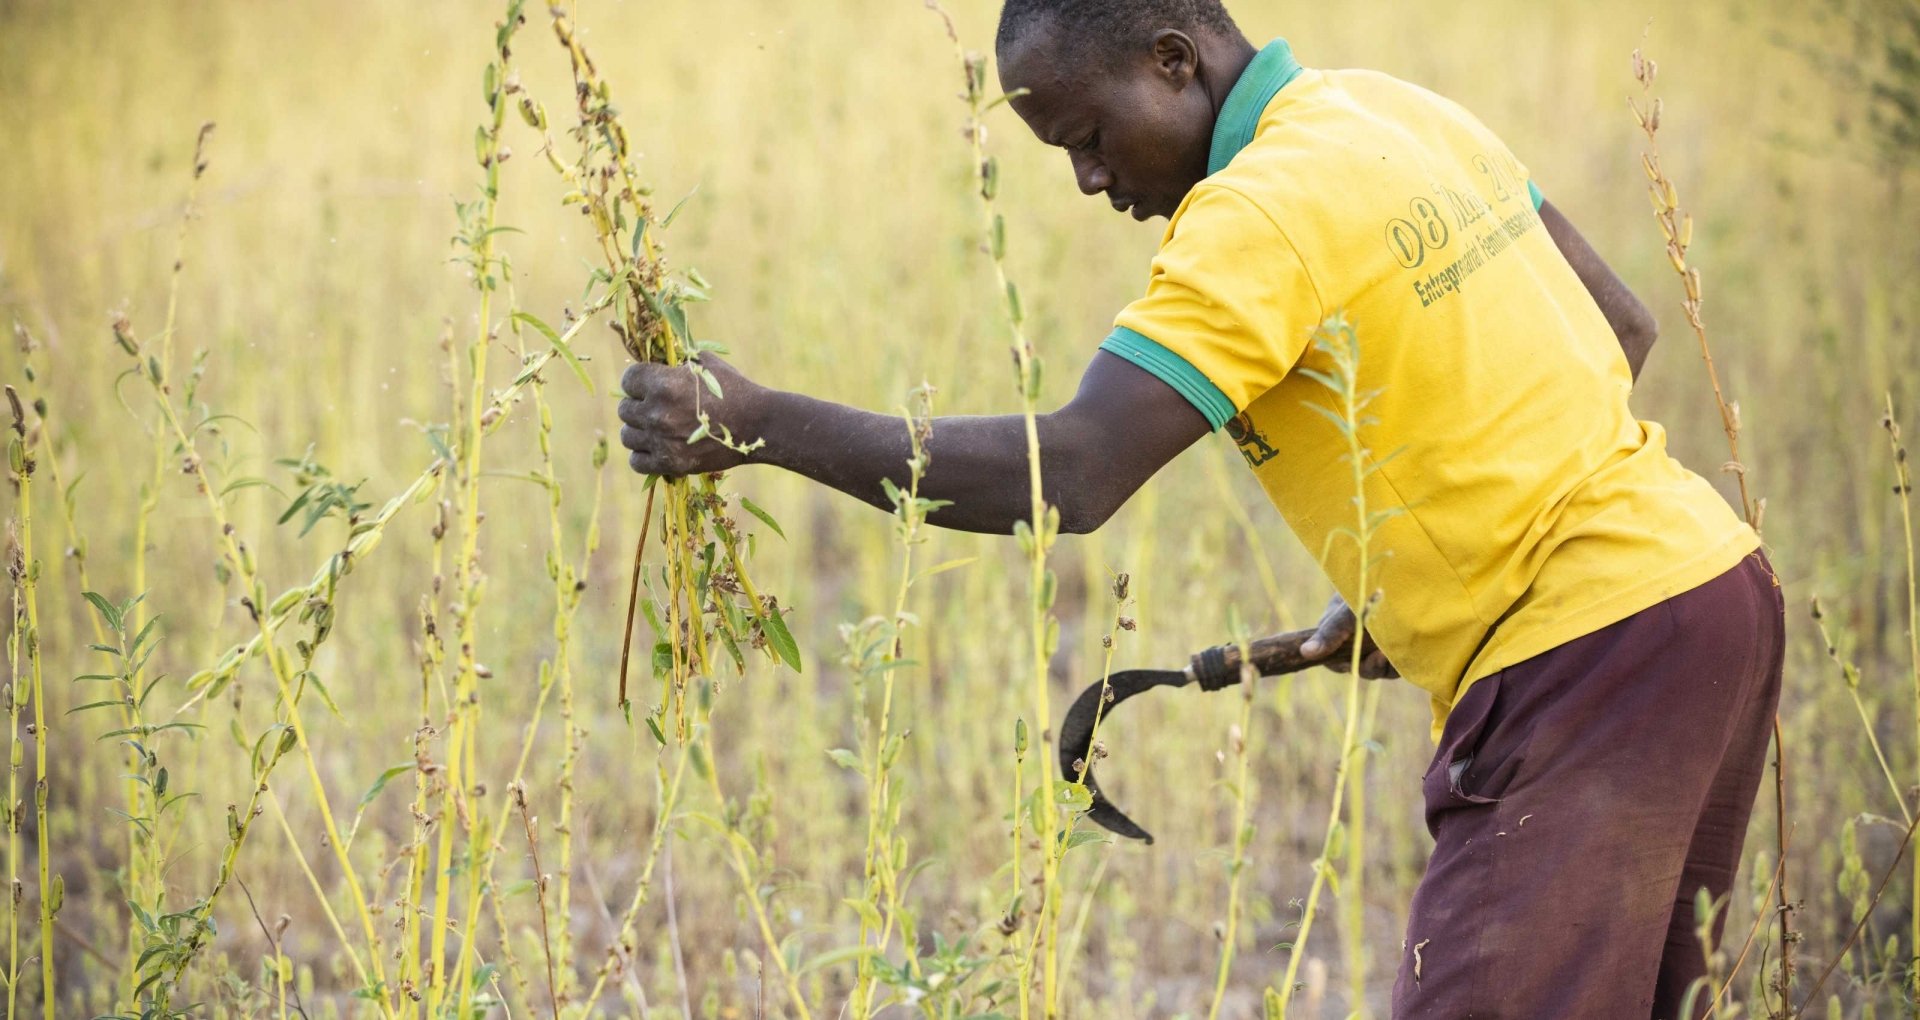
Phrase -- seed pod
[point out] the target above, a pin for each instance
(287, 600)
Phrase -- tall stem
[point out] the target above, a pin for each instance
(1903, 486)
(1337, 340)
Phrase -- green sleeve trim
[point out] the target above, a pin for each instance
(1534, 190)
(1175, 371)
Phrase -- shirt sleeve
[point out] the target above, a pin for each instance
(1228, 310)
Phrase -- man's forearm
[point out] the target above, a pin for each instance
(978, 464)
(1632, 324)
(1123, 425)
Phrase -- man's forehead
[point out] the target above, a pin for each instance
(1058, 87)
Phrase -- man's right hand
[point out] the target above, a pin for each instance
(1332, 634)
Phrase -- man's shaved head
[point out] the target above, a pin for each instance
(1110, 28)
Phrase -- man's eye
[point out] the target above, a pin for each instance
(1092, 142)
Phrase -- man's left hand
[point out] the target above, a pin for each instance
(1332, 634)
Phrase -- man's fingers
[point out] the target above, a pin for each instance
(632, 412)
(1376, 667)
(1334, 629)
(634, 380)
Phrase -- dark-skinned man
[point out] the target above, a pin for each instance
(1599, 635)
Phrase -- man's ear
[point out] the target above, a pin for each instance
(1175, 54)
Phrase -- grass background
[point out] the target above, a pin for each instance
(830, 210)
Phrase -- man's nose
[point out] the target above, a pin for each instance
(1091, 174)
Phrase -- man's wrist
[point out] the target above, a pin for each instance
(760, 415)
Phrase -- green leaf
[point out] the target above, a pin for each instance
(844, 758)
(559, 344)
(765, 517)
(677, 206)
(781, 640)
(107, 610)
(381, 783)
(1081, 837)
(845, 953)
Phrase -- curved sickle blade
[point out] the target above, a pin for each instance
(1076, 740)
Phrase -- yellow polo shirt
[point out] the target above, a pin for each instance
(1532, 507)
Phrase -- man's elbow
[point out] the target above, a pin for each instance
(1638, 340)
(1087, 499)
(1084, 520)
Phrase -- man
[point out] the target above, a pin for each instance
(1598, 633)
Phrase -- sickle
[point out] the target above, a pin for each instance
(1214, 669)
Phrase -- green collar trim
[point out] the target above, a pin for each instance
(1271, 70)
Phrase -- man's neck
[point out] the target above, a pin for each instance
(1222, 63)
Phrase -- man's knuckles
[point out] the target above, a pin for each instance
(634, 380)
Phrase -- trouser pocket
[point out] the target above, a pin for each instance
(1446, 784)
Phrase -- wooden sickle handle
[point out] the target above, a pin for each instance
(1219, 666)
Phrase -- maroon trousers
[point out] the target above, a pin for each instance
(1581, 799)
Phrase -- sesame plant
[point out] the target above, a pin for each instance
(1676, 227)
(418, 630)
(1337, 341)
(27, 686)
(1050, 809)
(1240, 787)
(873, 654)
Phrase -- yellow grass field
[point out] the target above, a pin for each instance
(322, 331)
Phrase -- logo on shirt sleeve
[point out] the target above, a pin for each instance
(1253, 446)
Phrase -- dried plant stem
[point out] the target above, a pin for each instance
(1353, 928)
(319, 891)
(1036, 534)
(667, 784)
(1746, 946)
(16, 758)
(143, 878)
(1241, 786)
(77, 545)
(566, 602)
(1850, 676)
(240, 558)
(425, 772)
(1861, 924)
(26, 632)
(1903, 488)
(1676, 226)
(461, 798)
(737, 850)
(540, 892)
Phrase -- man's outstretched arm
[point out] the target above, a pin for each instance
(1120, 428)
